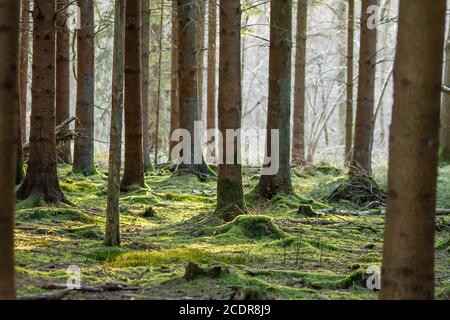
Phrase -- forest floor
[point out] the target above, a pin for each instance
(273, 253)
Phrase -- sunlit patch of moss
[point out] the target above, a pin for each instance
(171, 256)
(102, 253)
(53, 214)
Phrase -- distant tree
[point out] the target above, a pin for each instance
(9, 140)
(362, 148)
(134, 163)
(298, 143)
(230, 194)
(63, 76)
(201, 25)
(174, 98)
(145, 41)
(41, 181)
(279, 106)
(211, 117)
(408, 256)
(445, 122)
(112, 235)
(159, 79)
(83, 158)
(187, 75)
(349, 104)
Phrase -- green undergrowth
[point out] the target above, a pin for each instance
(285, 248)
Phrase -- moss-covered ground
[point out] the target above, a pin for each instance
(275, 252)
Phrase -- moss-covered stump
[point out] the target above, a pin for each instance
(307, 210)
(360, 190)
(252, 227)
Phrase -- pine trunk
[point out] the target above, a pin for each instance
(112, 235)
(362, 150)
(279, 106)
(298, 143)
(41, 181)
(230, 194)
(174, 98)
(9, 140)
(201, 5)
(145, 41)
(211, 122)
(134, 162)
(83, 159)
(159, 80)
(23, 65)
(408, 260)
(63, 76)
(350, 66)
(445, 119)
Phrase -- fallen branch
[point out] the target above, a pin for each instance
(439, 212)
(53, 295)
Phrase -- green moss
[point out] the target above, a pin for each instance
(252, 227)
(443, 245)
(53, 214)
(102, 253)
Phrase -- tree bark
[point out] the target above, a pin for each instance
(9, 140)
(445, 119)
(41, 180)
(350, 66)
(83, 159)
(362, 150)
(298, 143)
(211, 122)
(159, 80)
(230, 194)
(174, 94)
(63, 76)
(187, 75)
(145, 41)
(408, 259)
(23, 65)
(112, 235)
(134, 163)
(201, 5)
(279, 106)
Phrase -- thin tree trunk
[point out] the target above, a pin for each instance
(211, 122)
(298, 143)
(41, 181)
(23, 65)
(200, 53)
(187, 75)
(279, 106)
(408, 256)
(174, 98)
(445, 119)
(83, 159)
(145, 41)
(350, 66)
(230, 194)
(9, 140)
(341, 80)
(112, 235)
(158, 90)
(63, 76)
(134, 162)
(362, 151)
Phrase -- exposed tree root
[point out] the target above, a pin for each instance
(360, 190)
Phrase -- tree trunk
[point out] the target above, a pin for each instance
(230, 194)
(9, 140)
(134, 162)
(298, 143)
(112, 235)
(159, 79)
(349, 107)
(362, 152)
(187, 75)
(83, 160)
(445, 119)
(41, 181)
(201, 5)
(211, 122)
(23, 65)
(145, 41)
(63, 76)
(174, 98)
(279, 106)
(408, 260)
